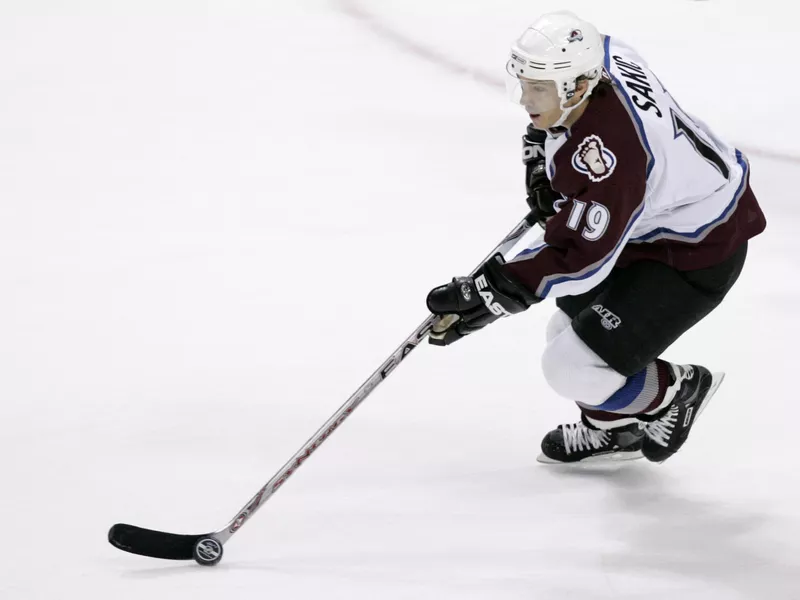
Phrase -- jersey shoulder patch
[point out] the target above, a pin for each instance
(593, 159)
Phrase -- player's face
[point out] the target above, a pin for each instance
(541, 100)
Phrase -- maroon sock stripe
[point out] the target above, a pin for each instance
(664, 381)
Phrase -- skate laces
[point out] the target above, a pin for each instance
(579, 437)
(661, 429)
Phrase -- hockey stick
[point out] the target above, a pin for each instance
(206, 548)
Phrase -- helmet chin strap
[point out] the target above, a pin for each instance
(567, 111)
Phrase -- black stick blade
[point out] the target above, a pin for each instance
(155, 544)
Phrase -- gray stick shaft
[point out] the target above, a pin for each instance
(411, 342)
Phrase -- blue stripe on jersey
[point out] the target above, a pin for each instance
(698, 232)
(639, 125)
(530, 251)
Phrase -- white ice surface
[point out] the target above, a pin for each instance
(217, 219)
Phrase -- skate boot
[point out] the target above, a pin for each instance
(667, 430)
(582, 442)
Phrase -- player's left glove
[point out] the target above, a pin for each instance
(541, 196)
(468, 304)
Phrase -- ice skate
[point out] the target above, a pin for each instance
(581, 442)
(666, 431)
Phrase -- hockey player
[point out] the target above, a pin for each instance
(646, 217)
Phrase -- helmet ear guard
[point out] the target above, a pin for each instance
(570, 87)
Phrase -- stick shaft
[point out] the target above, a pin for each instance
(361, 394)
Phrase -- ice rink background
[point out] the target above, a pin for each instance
(217, 219)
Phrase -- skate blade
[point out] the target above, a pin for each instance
(601, 459)
(716, 381)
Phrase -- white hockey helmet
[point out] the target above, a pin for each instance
(558, 47)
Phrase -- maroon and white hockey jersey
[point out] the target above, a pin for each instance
(641, 180)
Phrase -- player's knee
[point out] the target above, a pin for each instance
(557, 324)
(563, 377)
(576, 373)
(561, 365)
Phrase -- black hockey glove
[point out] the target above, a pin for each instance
(468, 304)
(540, 195)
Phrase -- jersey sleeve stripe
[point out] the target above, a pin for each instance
(529, 253)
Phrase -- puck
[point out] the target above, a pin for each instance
(207, 551)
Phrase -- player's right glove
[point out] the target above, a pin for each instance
(468, 304)
(541, 195)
